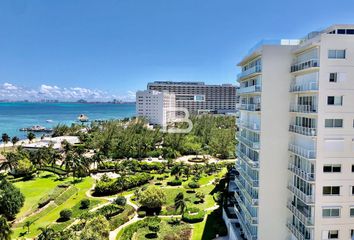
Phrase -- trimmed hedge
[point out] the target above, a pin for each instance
(141, 214)
(121, 218)
(193, 185)
(193, 215)
(53, 195)
(175, 182)
(110, 210)
(121, 183)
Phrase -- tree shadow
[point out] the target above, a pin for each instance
(214, 225)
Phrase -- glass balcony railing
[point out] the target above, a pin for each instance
(304, 174)
(300, 235)
(305, 218)
(250, 179)
(306, 198)
(255, 107)
(250, 71)
(309, 154)
(249, 125)
(311, 63)
(252, 143)
(250, 89)
(305, 87)
(244, 225)
(253, 163)
(303, 108)
(303, 130)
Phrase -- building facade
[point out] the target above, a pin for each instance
(198, 97)
(155, 106)
(296, 139)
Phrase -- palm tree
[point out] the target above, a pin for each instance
(31, 136)
(11, 161)
(27, 225)
(181, 202)
(5, 229)
(47, 233)
(14, 140)
(73, 163)
(5, 139)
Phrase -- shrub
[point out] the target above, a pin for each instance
(120, 201)
(85, 203)
(193, 215)
(175, 182)
(190, 191)
(158, 184)
(159, 178)
(141, 214)
(65, 214)
(193, 185)
(110, 210)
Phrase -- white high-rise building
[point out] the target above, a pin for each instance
(155, 106)
(296, 140)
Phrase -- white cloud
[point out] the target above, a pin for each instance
(12, 92)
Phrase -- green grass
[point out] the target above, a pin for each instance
(210, 227)
(34, 190)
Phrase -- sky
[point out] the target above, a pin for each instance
(103, 49)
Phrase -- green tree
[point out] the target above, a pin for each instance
(14, 140)
(47, 233)
(5, 229)
(5, 139)
(24, 167)
(11, 161)
(27, 225)
(11, 199)
(31, 136)
(152, 198)
(181, 202)
(96, 229)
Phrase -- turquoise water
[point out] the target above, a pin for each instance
(14, 116)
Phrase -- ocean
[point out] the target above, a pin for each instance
(14, 116)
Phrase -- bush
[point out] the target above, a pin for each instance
(65, 214)
(190, 191)
(120, 201)
(110, 210)
(141, 214)
(193, 215)
(85, 203)
(193, 185)
(159, 178)
(175, 182)
(158, 184)
(11, 199)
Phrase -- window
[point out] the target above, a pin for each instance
(352, 233)
(333, 234)
(341, 31)
(352, 168)
(333, 77)
(330, 212)
(334, 100)
(333, 123)
(351, 212)
(336, 54)
(352, 190)
(331, 190)
(332, 168)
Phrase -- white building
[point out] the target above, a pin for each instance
(55, 142)
(296, 139)
(155, 106)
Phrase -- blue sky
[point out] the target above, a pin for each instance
(114, 47)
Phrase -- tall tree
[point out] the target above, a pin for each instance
(47, 233)
(14, 140)
(5, 139)
(181, 202)
(11, 199)
(31, 136)
(5, 229)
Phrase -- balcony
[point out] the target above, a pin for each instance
(252, 219)
(309, 154)
(253, 182)
(248, 142)
(308, 199)
(297, 233)
(246, 229)
(306, 219)
(254, 107)
(306, 87)
(252, 163)
(251, 199)
(303, 130)
(303, 108)
(253, 70)
(310, 177)
(248, 90)
(312, 63)
(249, 125)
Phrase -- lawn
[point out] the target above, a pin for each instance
(35, 189)
(210, 227)
(70, 200)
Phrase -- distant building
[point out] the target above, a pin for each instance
(55, 142)
(155, 106)
(198, 97)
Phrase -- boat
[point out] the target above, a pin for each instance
(83, 118)
(49, 121)
(36, 128)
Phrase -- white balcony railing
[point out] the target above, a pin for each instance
(306, 198)
(249, 125)
(251, 162)
(305, 87)
(252, 70)
(250, 89)
(306, 219)
(244, 225)
(302, 152)
(304, 174)
(305, 65)
(297, 233)
(303, 130)
(303, 108)
(251, 181)
(249, 142)
(255, 107)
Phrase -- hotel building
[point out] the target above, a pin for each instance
(296, 140)
(198, 97)
(155, 106)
